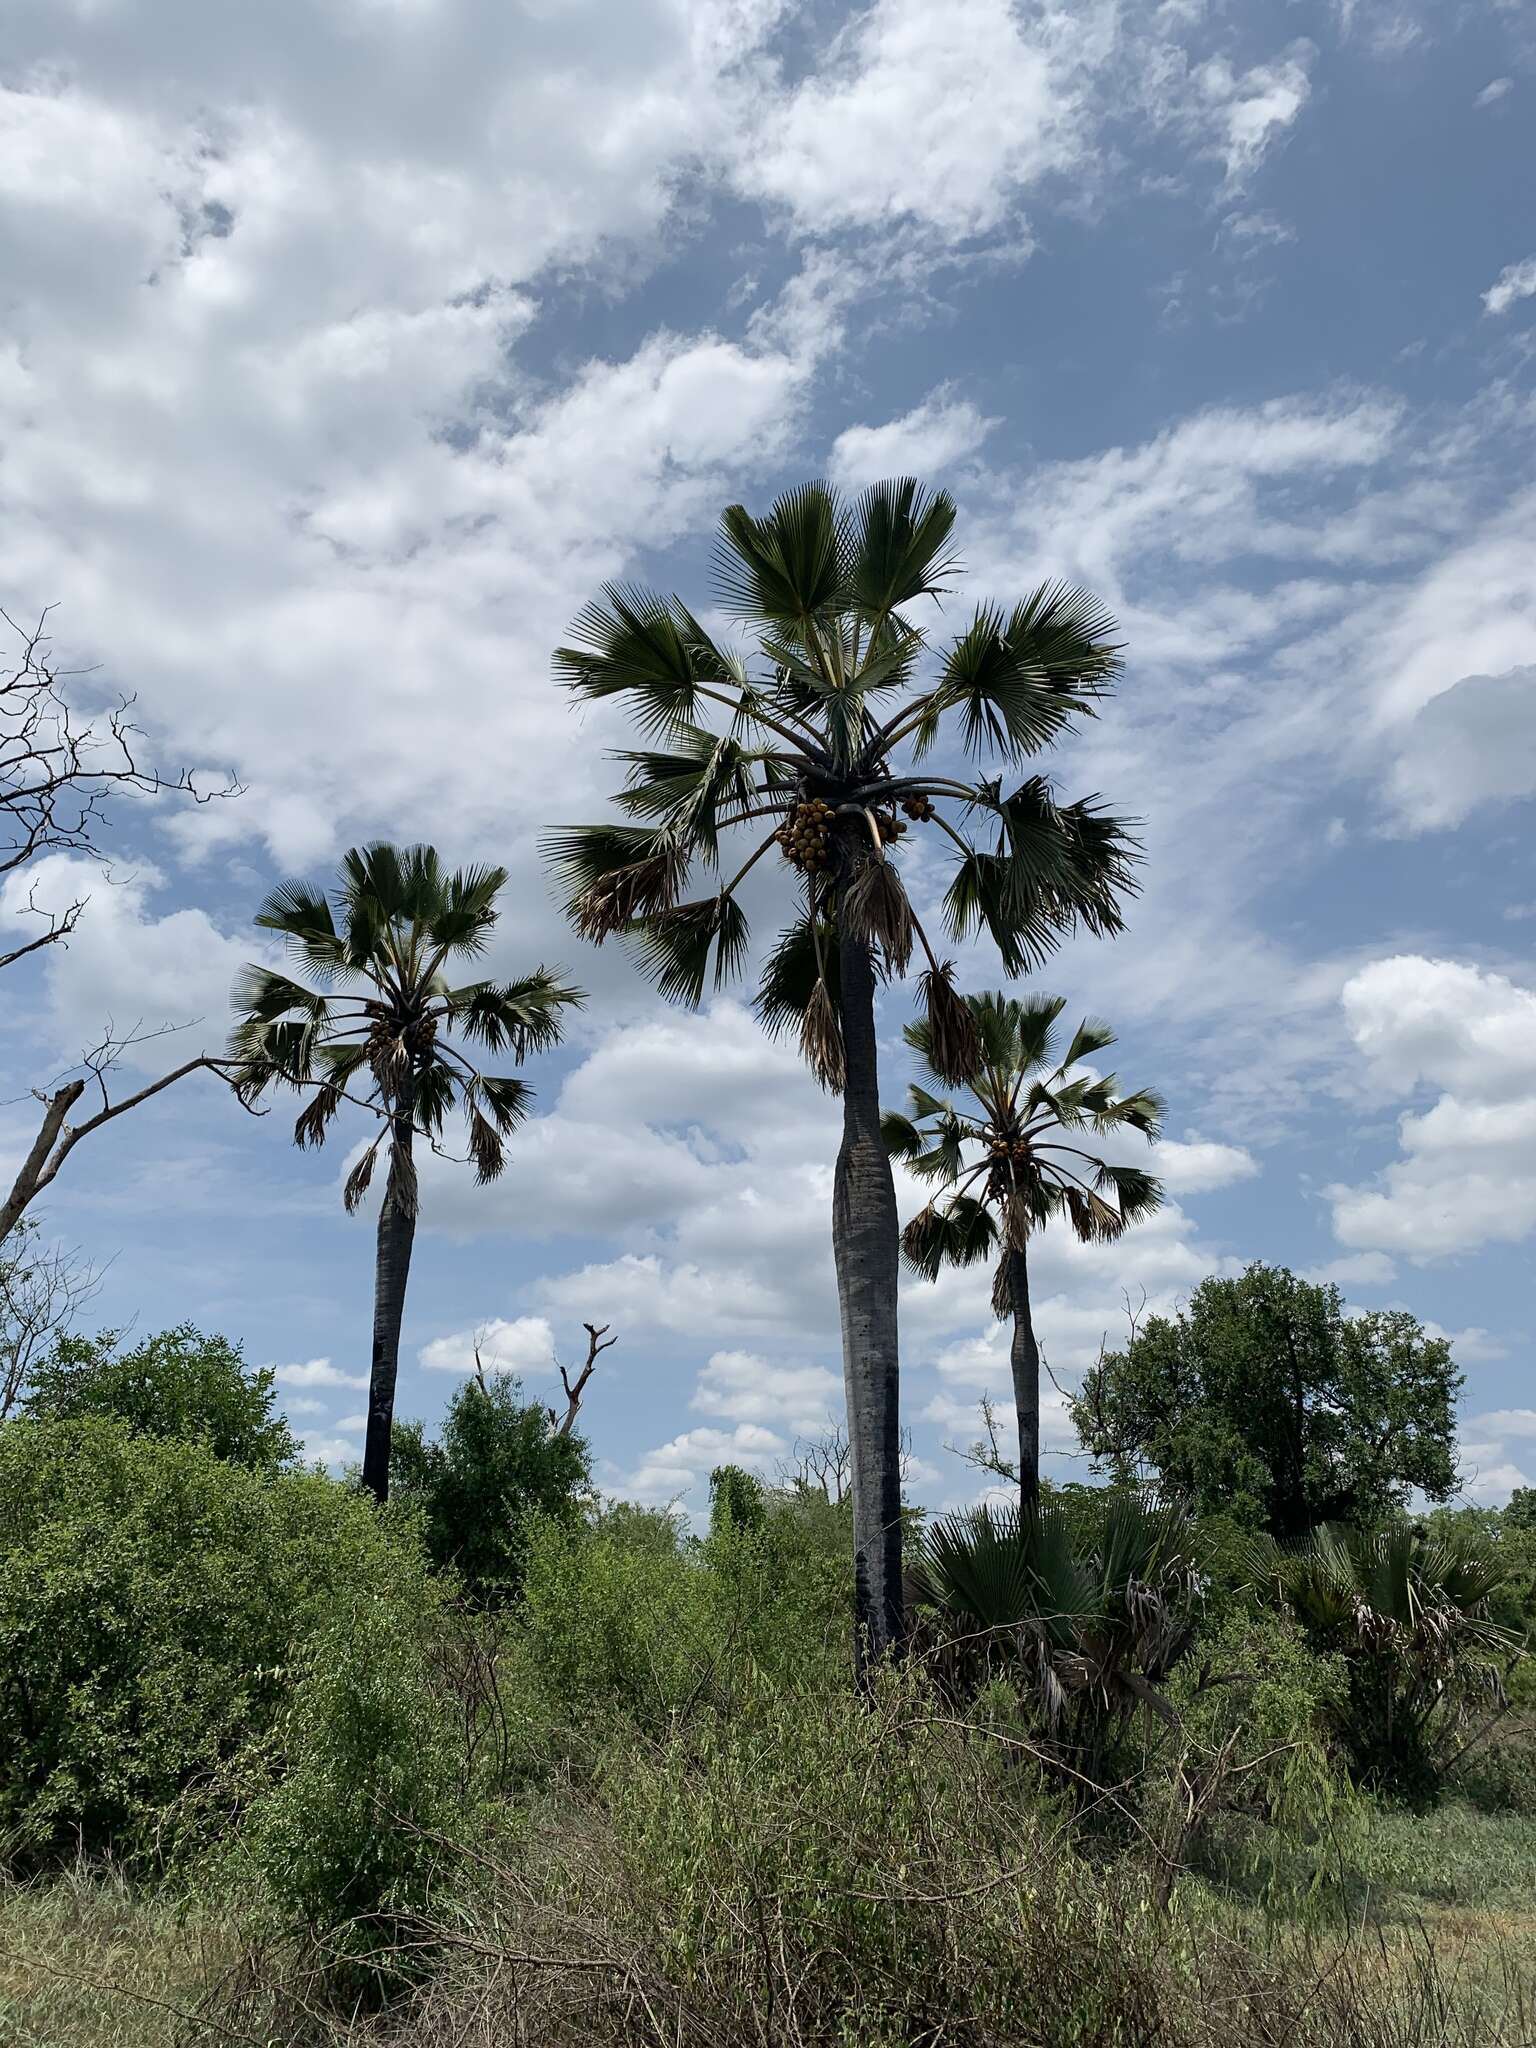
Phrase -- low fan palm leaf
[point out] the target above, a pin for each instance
(1408, 1610)
(1092, 1620)
(373, 1022)
(1018, 1149)
(843, 730)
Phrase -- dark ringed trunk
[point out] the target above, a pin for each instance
(865, 1243)
(1024, 1357)
(392, 1267)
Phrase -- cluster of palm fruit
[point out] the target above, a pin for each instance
(806, 834)
(918, 808)
(390, 1047)
(1003, 1151)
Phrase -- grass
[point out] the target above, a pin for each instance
(87, 1962)
(1444, 1956)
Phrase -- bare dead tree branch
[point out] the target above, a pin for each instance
(42, 1290)
(598, 1341)
(59, 769)
(986, 1453)
(820, 1464)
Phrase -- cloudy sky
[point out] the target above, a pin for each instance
(347, 346)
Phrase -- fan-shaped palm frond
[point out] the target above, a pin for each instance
(1088, 1619)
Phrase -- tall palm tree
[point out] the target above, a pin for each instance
(376, 1032)
(821, 743)
(1007, 1165)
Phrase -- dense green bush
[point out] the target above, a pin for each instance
(178, 1384)
(344, 1840)
(495, 1467)
(153, 1601)
(628, 1615)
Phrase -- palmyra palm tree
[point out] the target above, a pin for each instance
(1007, 1165)
(822, 744)
(380, 1021)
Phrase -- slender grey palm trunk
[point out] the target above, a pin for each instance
(1024, 1357)
(392, 1268)
(865, 1245)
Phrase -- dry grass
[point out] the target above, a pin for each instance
(87, 1963)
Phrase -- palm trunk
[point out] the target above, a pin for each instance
(1024, 1357)
(392, 1267)
(865, 1243)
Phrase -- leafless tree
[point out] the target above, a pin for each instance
(58, 770)
(819, 1464)
(598, 1341)
(42, 1290)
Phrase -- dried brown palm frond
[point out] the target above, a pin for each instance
(402, 1188)
(361, 1175)
(309, 1128)
(616, 899)
(954, 1044)
(821, 1039)
(1002, 1290)
(876, 908)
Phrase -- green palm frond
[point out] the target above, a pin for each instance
(674, 947)
(789, 569)
(507, 1099)
(1137, 1193)
(791, 974)
(1091, 1036)
(632, 643)
(901, 1137)
(303, 916)
(523, 1016)
(900, 542)
(689, 790)
(610, 875)
(958, 1233)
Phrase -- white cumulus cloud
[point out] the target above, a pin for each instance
(1466, 1174)
(1515, 281)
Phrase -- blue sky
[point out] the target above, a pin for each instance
(345, 348)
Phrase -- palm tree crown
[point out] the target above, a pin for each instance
(822, 745)
(376, 1030)
(1005, 1161)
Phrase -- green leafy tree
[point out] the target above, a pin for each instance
(179, 1384)
(1264, 1401)
(821, 744)
(154, 1599)
(1005, 1163)
(496, 1463)
(377, 1030)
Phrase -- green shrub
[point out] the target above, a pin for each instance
(496, 1466)
(626, 1615)
(1247, 1784)
(344, 1840)
(178, 1384)
(152, 1600)
(1409, 1612)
